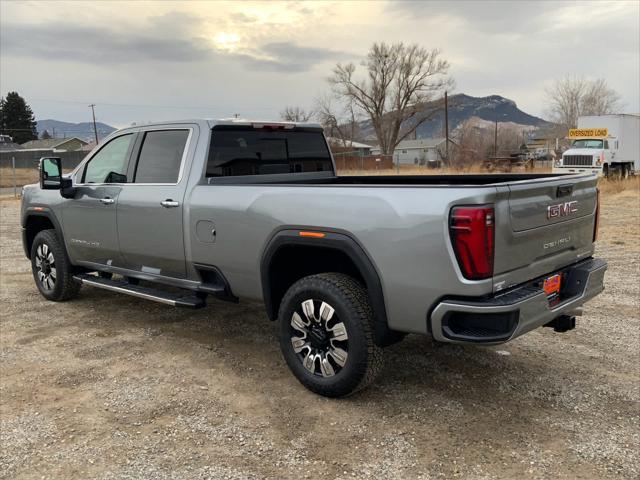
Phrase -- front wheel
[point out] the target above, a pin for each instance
(51, 268)
(326, 334)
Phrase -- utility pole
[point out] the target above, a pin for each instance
(93, 113)
(446, 127)
(495, 140)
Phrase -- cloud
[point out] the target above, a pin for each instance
(95, 45)
(240, 17)
(167, 38)
(496, 16)
(289, 57)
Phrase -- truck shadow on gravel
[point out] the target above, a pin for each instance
(241, 339)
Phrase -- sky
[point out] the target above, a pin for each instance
(149, 61)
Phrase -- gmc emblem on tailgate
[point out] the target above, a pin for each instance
(562, 209)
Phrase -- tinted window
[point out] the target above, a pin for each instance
(109, 165)
(249, 151)
(160, 156)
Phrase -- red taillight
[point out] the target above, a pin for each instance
(597, 222)
(472, 234)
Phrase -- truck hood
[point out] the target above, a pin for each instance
(583, 151)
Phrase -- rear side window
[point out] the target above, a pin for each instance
(240, 151)
(161, 156)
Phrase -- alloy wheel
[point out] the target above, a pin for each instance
(319, 338)
(46, 265)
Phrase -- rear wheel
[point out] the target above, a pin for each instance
(624, 171)
(51, 268)
(326, 334)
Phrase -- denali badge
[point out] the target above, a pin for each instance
(557, 243)
(562, 209)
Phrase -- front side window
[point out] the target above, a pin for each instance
(161, 156)
(239, 151)
(109, 165)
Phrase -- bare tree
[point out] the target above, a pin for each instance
(296, 114)
(400, 80)
(571, 97)
(339, 121)
(600, 99)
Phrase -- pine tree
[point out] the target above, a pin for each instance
(45, 135)
(17, 119)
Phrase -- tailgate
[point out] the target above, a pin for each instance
(543, 225)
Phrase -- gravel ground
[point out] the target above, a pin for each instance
(113, 387)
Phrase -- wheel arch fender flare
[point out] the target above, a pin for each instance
(41, 212)
(331, 240)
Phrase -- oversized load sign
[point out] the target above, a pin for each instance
(588, 132)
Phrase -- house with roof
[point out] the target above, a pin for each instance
(421, 151)
(72, 144)
(338, 145)
(7, 144)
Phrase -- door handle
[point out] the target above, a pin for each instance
(107, 201)
(168, 203)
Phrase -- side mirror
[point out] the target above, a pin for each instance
(50, 173)
(51, 177)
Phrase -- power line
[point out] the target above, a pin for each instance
(139, 105)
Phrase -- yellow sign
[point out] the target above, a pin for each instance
(588, 132)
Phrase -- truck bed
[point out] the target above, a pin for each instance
(324, 178)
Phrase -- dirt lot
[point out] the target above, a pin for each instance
(111, 387)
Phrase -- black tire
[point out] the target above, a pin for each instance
(624, 171)
(350, 306)
(52, 270)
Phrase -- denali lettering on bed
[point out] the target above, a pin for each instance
(181, 212)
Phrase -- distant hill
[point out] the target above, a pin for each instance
(465, 107)
(82, 130)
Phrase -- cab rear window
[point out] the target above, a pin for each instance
(241, 151)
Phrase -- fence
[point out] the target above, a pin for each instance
(30, 158)
(349, 161)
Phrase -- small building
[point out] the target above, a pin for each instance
(348, 146)
(7, 144)
(72, 144)
(421, 151)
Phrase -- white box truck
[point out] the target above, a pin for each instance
(608, 145)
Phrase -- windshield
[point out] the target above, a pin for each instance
(238, 151)
(587, 143)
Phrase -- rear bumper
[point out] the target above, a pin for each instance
(505, 316)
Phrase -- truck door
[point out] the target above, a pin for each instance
(90, 217)
(150, 209)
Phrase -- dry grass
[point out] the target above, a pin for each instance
(23, 176)
(612, 186)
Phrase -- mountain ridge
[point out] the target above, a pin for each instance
(83, 130)
(463, 107)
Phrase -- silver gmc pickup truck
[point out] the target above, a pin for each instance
(179, 212)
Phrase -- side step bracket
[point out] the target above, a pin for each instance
(122, 286)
